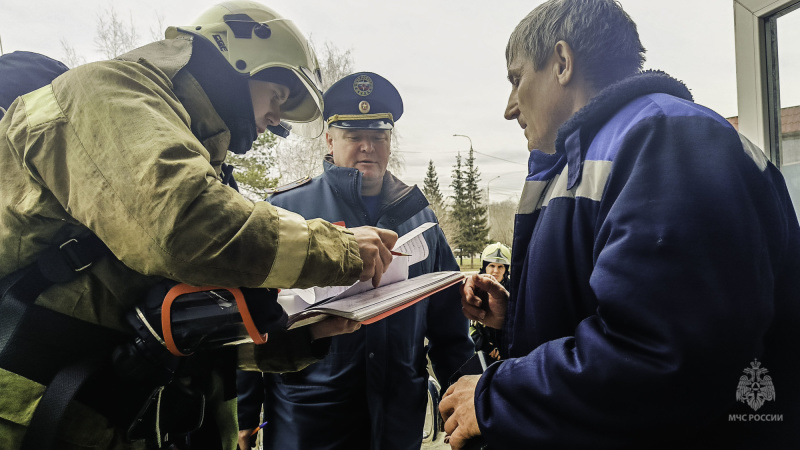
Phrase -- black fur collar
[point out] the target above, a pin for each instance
(605, 104)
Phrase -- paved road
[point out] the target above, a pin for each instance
(438, 444)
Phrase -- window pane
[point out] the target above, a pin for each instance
(788, 28)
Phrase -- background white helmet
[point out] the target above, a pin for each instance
(496, 253)
(254, 38)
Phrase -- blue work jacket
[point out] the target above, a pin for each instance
(370, 391)
(655, 275)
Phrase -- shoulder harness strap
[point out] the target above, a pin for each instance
(27, 332)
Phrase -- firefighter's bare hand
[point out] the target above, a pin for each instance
(375, 246)
(333, 326)
(485, 300)
(458, 411)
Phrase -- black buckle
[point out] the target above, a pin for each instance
(65, 262)
(74, 256)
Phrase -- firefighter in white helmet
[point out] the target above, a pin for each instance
(130, 153)
(495, 262)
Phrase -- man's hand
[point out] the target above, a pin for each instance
(458, 411)
(375, 246)
(333, 326)
(485, 300)
(246, 439)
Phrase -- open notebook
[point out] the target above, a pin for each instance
(369, 306)
(362, 302)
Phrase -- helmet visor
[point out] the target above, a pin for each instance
(303, 109)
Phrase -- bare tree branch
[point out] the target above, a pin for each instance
(71, 57)
(300, 157)
(501, 221)
(397, 160)
(157, 34)
(113, 37)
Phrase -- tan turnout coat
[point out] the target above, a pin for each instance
(131, 150)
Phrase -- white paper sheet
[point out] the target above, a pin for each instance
(411, 243)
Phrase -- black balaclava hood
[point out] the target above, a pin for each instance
(228, 91)
(505, 274)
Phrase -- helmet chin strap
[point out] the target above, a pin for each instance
(243, 134)
(228, 91)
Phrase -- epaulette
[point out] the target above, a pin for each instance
(289, 186)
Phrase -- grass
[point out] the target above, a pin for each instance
(469, 264)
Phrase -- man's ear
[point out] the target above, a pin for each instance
(564, 62)
(329, 141)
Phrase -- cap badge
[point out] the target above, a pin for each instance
(363, 85)
(363, 107)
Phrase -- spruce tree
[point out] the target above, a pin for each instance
(430, 188)
(474, 222)
(437, 202)
(459, 208)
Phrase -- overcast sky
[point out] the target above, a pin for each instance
(445, 57)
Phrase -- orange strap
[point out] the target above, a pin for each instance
(181, 289)
(247, 319)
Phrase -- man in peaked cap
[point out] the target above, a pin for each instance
(370, 389)
(360, 111)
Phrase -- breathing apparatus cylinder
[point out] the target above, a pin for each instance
(176, 319)
(173, 322)
(184, 318)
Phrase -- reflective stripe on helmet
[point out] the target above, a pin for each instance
(496, 253)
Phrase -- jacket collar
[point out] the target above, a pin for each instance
(169, 57)
(206, 124)
(222, 97)
(576, 134)
(399, 201)
(228, 92)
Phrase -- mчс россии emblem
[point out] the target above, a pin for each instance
(755, 387)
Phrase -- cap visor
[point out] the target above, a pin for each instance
(363, 124)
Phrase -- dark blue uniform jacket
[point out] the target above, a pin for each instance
(370, 391)
(654, 276)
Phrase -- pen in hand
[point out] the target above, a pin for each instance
(258, 428)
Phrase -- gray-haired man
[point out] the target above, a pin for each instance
(655, 261)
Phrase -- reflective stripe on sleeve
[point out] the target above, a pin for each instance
(593, 182)
(41, 106)
(531, 198)
(537, 194)
(292, 250)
